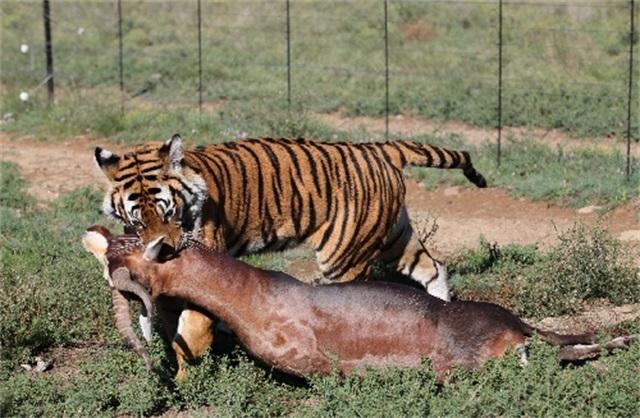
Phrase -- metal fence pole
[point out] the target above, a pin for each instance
(386, 71)
(632, 32)
(199, 57)
(120, 57)
(48, 48)
(499, 147)
(288, 55)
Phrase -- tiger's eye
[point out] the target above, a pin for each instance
(168, 215)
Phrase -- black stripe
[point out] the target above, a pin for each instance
(312, 166)
(294, 158)
(415, 261)
(261, 201)
(128, 184)
(273, 158)
(152, 168)
(311, 214)
(124, 176)
(343, 226)
(403, 159)
(296, 206)
(455, 158)
(128, 166)
(440, 155)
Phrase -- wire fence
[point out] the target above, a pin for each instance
(492, 63)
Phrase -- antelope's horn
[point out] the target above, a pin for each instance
(122, 282)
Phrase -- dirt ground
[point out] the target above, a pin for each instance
(462, 214)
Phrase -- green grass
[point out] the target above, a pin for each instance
(529, 169)
(53, 299)
(564, 67)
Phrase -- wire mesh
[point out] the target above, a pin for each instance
(563, 64)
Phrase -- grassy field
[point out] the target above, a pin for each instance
(564, 66)
(54, 302)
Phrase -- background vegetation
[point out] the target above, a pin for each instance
(564, 65)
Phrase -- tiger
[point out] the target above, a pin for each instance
(344, 200)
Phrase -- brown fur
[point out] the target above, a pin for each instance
(344, 200)
(305, 330)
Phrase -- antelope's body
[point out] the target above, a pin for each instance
(306, 330)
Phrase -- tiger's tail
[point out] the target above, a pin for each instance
(425, 155)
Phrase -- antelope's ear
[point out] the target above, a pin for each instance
(173, 152)
(95, 243)
(107, 161)
(152, 251)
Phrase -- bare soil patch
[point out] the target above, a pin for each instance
(467, 214)
(462, 214)
(54, 168)
(593, 318)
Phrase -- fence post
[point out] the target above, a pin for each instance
(632, 31)
(386, 71)
(288, 55)
(48, 48)
(120, 57)
(199, 58)
(499, 147)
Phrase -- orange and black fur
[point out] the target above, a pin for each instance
(344, 200)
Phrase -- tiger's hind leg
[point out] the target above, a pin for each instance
(404, 252)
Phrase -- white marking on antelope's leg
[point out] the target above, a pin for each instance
(523, 353)
(145, 324)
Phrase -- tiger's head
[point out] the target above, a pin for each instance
(154, 192)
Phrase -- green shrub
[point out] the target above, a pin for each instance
(586, 264)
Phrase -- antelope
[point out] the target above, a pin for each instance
(305, 330)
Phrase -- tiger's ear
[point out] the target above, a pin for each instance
(173, 152)
(107, 161)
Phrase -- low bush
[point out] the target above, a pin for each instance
(586, 264)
